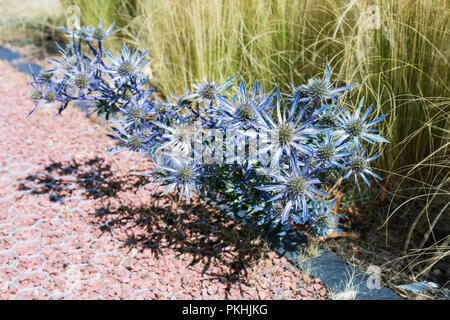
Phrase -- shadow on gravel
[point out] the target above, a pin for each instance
(94, 177)
(207, 235)
(204, 233)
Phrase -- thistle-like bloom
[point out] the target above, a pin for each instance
(162, 110)
(134, 141)
(126, 66)
(327, 117)
(81, 75)
(44, 93)
(323, 219)
(179, 137)
(329, 153)
(318, 88)
(184, 101)
(359, 165)
(355, 127)
(286, 133)
(98, 34)
(178, 173)
(135, 112)
(277, 215)
(242, 112)
(210, 92)
(68, 61)
(79, 32)
(294, 188)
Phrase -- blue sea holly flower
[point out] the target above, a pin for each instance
(286, 134)
(135, 112)
(327, 117)
(278, 214)
(134, 141)
(78, 32)
(241, 111)
(179, 137)
(322, 88)
(37, 95)
(82, 75)
(359, 165)
(162, 110)
(295, 188)
(355, 127)
(184, 101)
(47, 93)
(330, 153)
(180, 174)
(98, 34)
(210, 92)
(126, 65)
(322, 220)
(68, 61)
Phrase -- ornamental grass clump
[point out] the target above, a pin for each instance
(274, 154)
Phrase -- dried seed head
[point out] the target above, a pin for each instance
(135, 113)
(135, 142)
(328, 120)
(208, 90)
(323, 221)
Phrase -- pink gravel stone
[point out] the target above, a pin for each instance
(28, 249)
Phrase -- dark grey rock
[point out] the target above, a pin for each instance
(8, 55)
(28, 68)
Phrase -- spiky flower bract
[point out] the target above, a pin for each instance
(355, 127)
(242, 111)
(125, 65)
(210, 92)
(99, 34)
(178, 173)
(322, 220)
(295, 187)
(322, 88)
(287, 135)
(358, 165)
(329, 152)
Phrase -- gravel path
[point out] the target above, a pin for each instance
(74, 223)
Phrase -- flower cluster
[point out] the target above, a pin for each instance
(281, 151)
